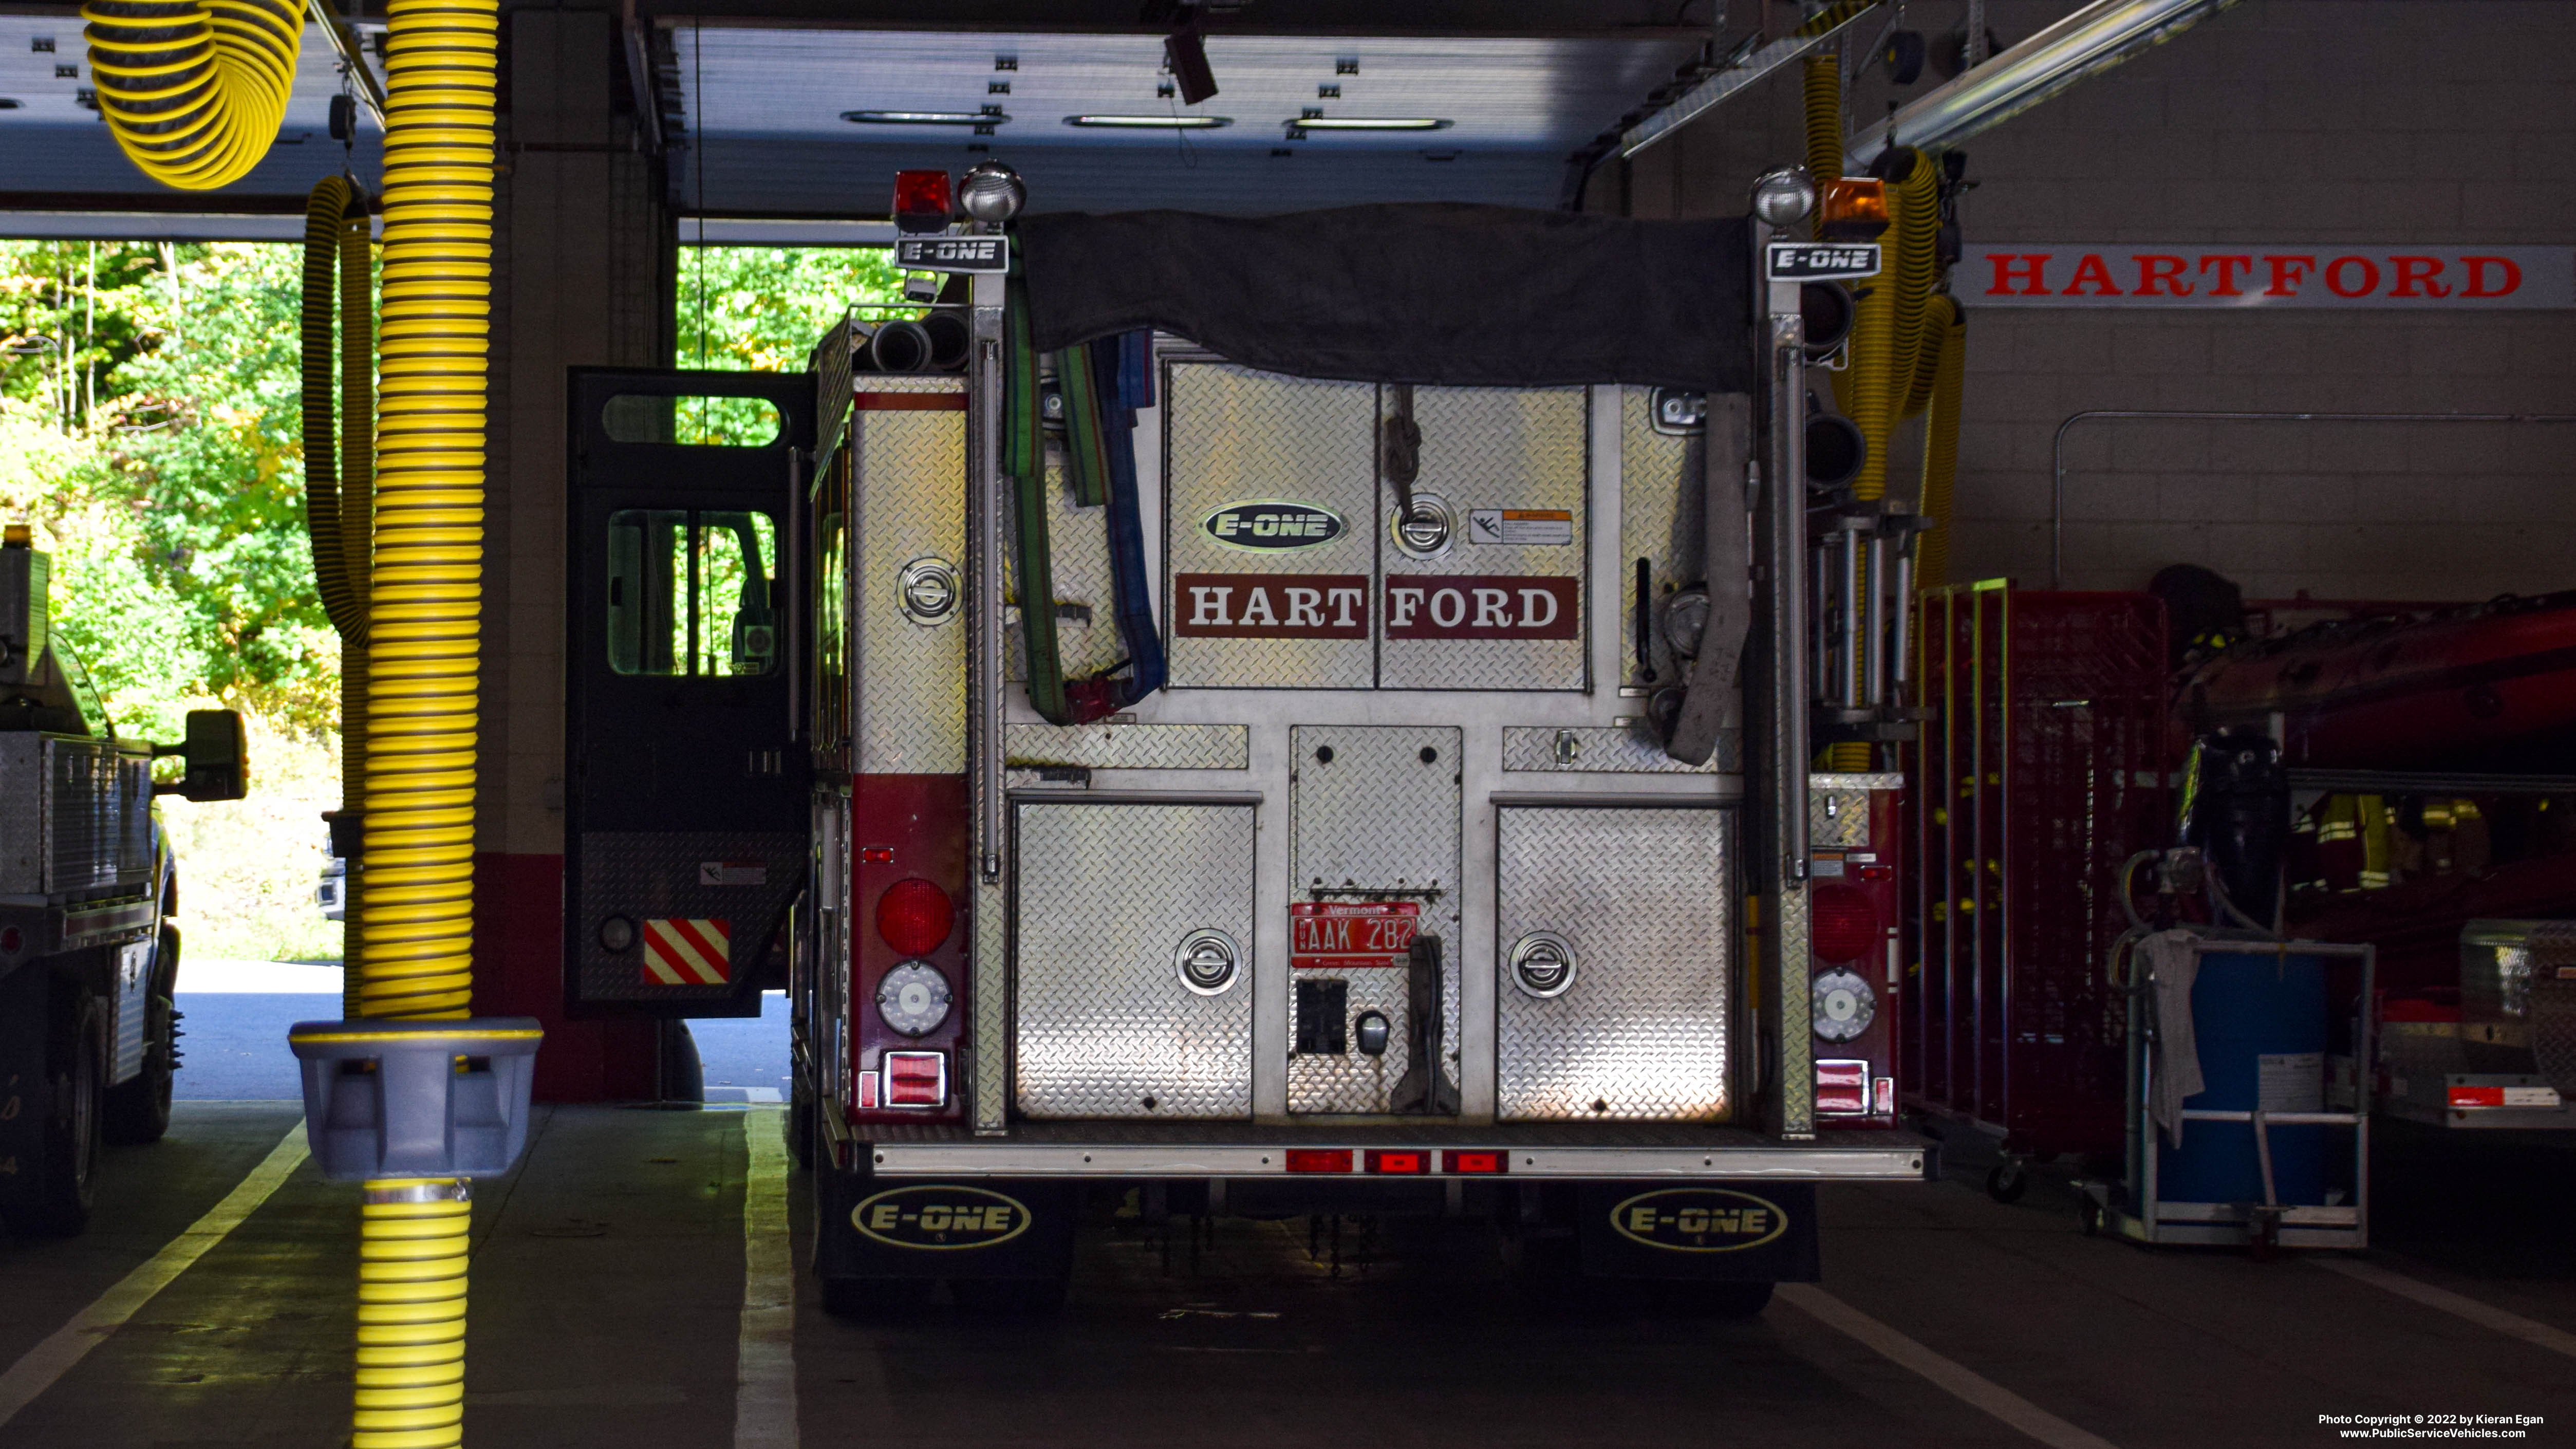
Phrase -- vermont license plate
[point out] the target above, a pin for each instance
(1344, 935)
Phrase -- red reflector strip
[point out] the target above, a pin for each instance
(877, 855)
(2477, 1096)
(1475, 1162)
(867, 1091)
(1402, 1162)
(916, 1079)
(1319, 1159)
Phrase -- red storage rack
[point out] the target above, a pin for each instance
(2044, 764)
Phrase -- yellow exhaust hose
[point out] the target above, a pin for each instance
(423, 637)
(339, 499)
(193, 92)
(1949, 324)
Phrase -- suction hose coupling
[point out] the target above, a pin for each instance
(193, 92)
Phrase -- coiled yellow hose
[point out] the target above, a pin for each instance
(429, 507)
(193, 92)
(421, 698)
(1915, 217)
(1824, 97)
(411, 1315)
(339, 496)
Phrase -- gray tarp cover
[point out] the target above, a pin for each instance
(1434, 293)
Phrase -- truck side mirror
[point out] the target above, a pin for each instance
(217, 755)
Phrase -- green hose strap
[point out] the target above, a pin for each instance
(1024, 458)
(1086, 450)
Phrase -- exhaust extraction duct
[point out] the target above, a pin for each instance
(2086, 43)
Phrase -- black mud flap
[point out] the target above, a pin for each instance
(1729, 1231)
(875, 1227)
(26, 1102)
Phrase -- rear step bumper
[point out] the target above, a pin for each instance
(1716, 1154)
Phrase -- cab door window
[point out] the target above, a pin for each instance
(692, 592)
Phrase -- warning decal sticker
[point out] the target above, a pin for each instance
(1543, 526)
(683, 952)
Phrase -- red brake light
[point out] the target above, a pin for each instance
(916, 1079)
(1402, 1162)
(915, 917)
(1319, 1159)
(921, 201)
(1842, 1087)
(1476, 1162)
(1843, 924)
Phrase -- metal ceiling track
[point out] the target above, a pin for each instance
(2086, 43)
(1714, 91)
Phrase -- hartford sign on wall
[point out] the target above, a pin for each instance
(2147, 274)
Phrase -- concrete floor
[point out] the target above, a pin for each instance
(609, 1284)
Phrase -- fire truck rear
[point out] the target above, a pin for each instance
(1230, 774)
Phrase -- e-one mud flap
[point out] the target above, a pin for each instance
(874, 1227)
(1747, 1231)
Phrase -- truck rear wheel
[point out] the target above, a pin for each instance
(139, 1110)
(58, 1204)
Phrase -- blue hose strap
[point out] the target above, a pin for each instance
(1121, 375)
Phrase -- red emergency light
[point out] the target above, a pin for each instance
(1843, 925)
(922, 202)
(1319, 1159)
(915, 917)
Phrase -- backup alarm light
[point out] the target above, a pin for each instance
(915, 917)
(921, 198)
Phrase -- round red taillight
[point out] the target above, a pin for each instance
(1842, 925)
(914, 917)
(10, 940)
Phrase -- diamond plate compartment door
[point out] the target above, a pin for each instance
(1614, 928)
(1267, 496)
(1375, 812)
(1133, 967)
(1485, 584)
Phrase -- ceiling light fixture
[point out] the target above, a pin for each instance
(1368, 123)
(1151, 123)
(989, 116)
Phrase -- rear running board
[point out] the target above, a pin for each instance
(1900, 1161)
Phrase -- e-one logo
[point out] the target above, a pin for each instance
(1699, 1220)
(936, 1217)
(1272, 524)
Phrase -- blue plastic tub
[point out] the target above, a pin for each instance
(2246, 1006)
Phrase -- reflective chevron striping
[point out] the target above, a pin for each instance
(683, 952)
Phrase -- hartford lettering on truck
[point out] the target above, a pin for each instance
(1313, 787)
(2070, 274)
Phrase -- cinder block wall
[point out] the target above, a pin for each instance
(2431, 122)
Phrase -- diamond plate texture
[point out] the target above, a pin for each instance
(1233, 435)
(910, 485)
(1608, 749)
(1641, 894)
(1837, 817)
(1376, 818)
(1494, 448)
(1131, 747)
(988, 1060)
(1106, 892)
(646, 874)
(1663, 500)
(2509, 970)
(1797, 1014)
(1086, 622)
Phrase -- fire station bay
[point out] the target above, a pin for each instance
(1068, 724)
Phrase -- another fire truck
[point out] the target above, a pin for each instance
(89, 961)
(1271, 716)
